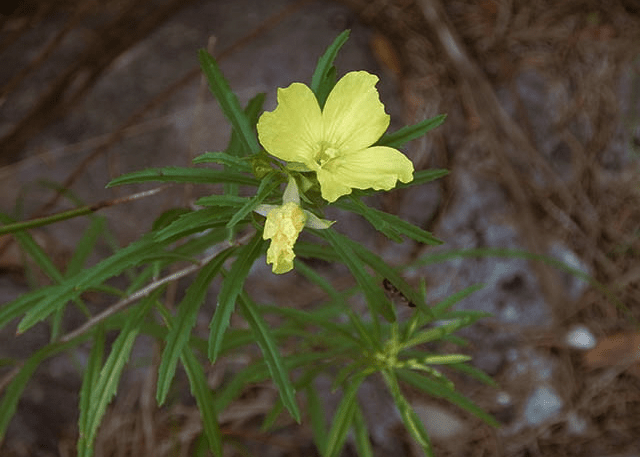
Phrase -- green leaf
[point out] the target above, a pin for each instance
(361, 434)
(222, 200)
(386, 271)
(437, 333)
(204, 399)
(273, 415)
(106, 385)
(317, 417)
(318, 280)
(419, 177)
(231, 288)
(22, 304)
(195, 246)
(316, 251)
(185, 320)
(367, 343)
(167, 217)
(269, 349)
(444, 359)
(410, 132)
(194, 222)
(443, 306)
(267, 185)
(199, 388)
(85, 246)
(324, 74)
(304, 318)
(392, 226)
(423, 177)
(438, 389)
(91, 373)
(256, 372)
(228, 101)
(182, 174)
(475, 373)
(411, 420)
(14, 389)
(326, 86)
(340, 378)
(343, 419)
(225, 159)
(375, 296)
(35, 251)
(235, 146)
(42, 302)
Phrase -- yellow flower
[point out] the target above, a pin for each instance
(335, 142)
(284, 224)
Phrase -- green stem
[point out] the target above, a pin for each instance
(70, 214)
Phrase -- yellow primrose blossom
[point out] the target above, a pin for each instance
(335, 142)
(284, 224)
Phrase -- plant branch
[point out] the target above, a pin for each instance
(82, 211)
(120, 305)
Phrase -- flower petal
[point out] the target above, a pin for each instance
(283, 225)
(292, 131)
(353, 116)
(378, 167)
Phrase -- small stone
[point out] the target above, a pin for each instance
(580, 338)
(439, 423)
(542, 405)
(503, 399)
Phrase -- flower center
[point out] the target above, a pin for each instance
(326, 153)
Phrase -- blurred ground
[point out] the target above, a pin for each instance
(542, 140)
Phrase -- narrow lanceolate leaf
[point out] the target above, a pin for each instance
(384, 270)
(181, 174)
(267, 185)
(367, 343)
(438, 389)
(361, 434)
(222, 200)
(107, 383)
(34, 251)
(424, 177)
(225, 159)
(199, 389)
(375, 296)
(252, 111)
(85, 246)
(185, 320)
(325, 64)
(392, 226)
(410, 132)
(437, 333)
(231, 288)
(343, 419)
(236, 145)
(267, 344)
(42, 302)
(442, 307)
(91, 373)
(317, 417)
(13, 391)
(204, 399)
(228, 101)
(411, 420)
(194, 222)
